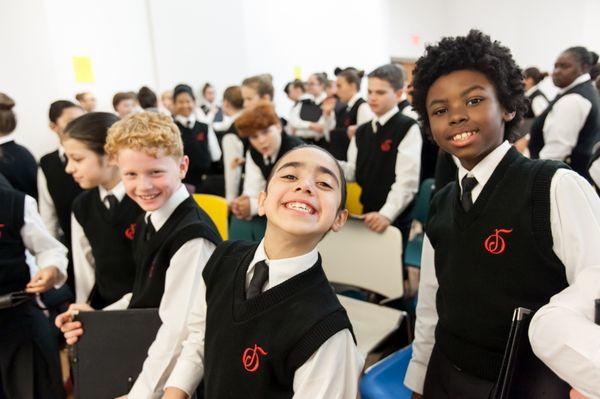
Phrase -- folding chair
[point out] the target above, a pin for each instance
(216, 207)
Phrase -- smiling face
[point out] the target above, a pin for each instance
(184, 104)
(465, 115)
(382, 97)
(566, 69)
(88, 168)
(150, 181)
(303, 196)
(267, 141)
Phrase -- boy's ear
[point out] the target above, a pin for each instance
(508, 116)
(53, 126)
(340, 220)
(262, 196)
(183, 166)
(399, 94)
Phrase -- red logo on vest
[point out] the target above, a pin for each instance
(495, 243)
(386, 146)
(201, 137)
(130, 232)
(1, 227)
(251, 359)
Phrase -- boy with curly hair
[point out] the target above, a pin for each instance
(501, 236)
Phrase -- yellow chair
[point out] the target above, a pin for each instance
(353, 199)
(216, 208)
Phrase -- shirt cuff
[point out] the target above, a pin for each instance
(185, 376)
(415, 377)
(121, 304)
(389, 211)
(253, 206)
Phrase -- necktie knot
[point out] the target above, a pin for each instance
(378, 126)
(150, 230)
(258, 280)
(112, 201)
(467, 183)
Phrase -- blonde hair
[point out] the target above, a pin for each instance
(149, 132)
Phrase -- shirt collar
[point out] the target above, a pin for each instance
(306, 96)
(484, 169)
(161, 215)
(281, 270)
(583, 78)
(7, 138)
(321, 98)
(531, 90)
(353, 100)
(61, 153)
(184, 120)
(383, 119)
(118, 191)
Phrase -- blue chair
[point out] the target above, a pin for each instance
(385, 379)
(412, 254)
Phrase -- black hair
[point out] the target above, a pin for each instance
(595, 71)
(585, 57)
(91, 129)
(183, 88)
(147, 98)
(535, 74)
(58, 107)
(351, 75)
(390, 73)
(297, 83)
(205, 87)
(340, 170)
(476, 52)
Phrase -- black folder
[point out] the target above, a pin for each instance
(523, 375)
(108, 358)
(310, 111)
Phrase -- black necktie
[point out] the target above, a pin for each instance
(468, 183)
(150, 230)
(189, 124)
(112, 204)
(377, 127)
(258, 280)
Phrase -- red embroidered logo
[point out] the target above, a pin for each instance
(1, 227)
(130, 232)
(347, 121)
(386, 146)
(201, 137)
(495, 243)
(251, 359)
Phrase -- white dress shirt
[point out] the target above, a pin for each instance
(233, 148)
(84, 265)
(330, 373)
(595, 172)
(46, 203)
(254, 181)
(182, 287)
(302, 127)
(407, 168)
(539, 103)
(575, 228)
(564, 122)
(213, 142)
(363, 116)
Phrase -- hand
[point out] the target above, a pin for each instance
(576, 395)
(122, 397)
(351, 131)
(72, 330)
(328, 105)
(376, 222)
(237, 162)
(174, 393)
(240, 207)
(43, 280)
(416, 396)
(317, 127)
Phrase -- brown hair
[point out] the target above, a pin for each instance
(122, 96)
(256, 119)
(91, 129)
(321, 78)
(263, 84)
(149, 132)
(351, 75)
(8, 120)
(233, 95)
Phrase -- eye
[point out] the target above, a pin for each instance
(289, 177)
(474, 101)
(324, 184)
(157, 172)
(439, 111)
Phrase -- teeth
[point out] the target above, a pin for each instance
(299, 206)
(148, 197)
(463, 136)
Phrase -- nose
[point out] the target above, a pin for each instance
(144, 182)
(69, 168)
(458, 116)
(305, 185)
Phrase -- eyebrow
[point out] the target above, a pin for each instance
(320, 168)
(462, 94)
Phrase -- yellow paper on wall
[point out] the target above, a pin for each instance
(82, 66)
(298, 72)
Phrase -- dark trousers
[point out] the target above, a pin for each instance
(446, 381)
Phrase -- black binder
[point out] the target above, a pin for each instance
(108, 358)
(523, 375)
(310, 111)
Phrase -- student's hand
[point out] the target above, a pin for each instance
(576, 395)
(328, 105)
(376, 222)
(240, 207)
(237, 162)
(317, 127)
(72, 330)
(351, 131)
(43, 280)
(174, 393)
(416, 396)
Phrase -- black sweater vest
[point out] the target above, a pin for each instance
(63, 191)
(110, 234)
(588, 135)
(19, 167)
(195, 146)
(338, 137)
(287, 143)
(14, 272)
(529, 114)
(310, 111)
(152, 257)
(376, 162)
(254, 347)
(491, 260)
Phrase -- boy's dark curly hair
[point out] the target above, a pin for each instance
(476, 52)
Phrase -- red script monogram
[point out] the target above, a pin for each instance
(251, 359)
(386, 146)
(130, 232)
(495, 243)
